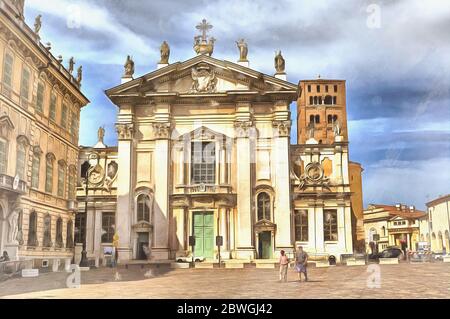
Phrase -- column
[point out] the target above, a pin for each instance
(124, 195)
(178, 215)
(223, 230)
(320, 244)
(161, 206)
(244, 227)
(282, 212)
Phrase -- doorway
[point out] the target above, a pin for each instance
(265, 245)
(143, 246)
(203, 224)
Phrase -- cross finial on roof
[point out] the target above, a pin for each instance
(204, 27)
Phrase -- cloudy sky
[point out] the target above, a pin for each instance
(395, 56)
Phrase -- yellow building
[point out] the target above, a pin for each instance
(437, 233)
(40, 104)
(387, 225)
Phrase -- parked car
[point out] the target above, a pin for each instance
(392, 252)
(189, 259)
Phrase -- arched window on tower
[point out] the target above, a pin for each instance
(263, 206)
(317, 118)
(328, 100)
(311, 118)
(311, 100)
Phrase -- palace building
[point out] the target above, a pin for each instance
(388, 225)
(204, 151)
(40, 104)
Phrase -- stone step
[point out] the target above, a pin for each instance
(179, 265)
(265, 265)
(234, 265)
(355, 262)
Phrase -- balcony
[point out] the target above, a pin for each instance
(13, 184)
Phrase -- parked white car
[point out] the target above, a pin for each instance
(189, 259)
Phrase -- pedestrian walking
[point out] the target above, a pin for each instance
(301, 263)
(284, 264)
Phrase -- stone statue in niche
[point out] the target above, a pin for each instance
(13, 221)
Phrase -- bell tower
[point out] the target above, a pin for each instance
(321, 107)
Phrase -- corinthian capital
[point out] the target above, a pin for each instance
(243, 128)
(125, 131)
(282, 128)
(162, 130)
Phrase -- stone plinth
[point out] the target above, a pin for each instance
(30, 272)
(388, 261)
(234, 265)
(322, 264)
(446, 259)
(355, 262)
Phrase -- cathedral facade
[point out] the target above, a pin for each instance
(204, 164)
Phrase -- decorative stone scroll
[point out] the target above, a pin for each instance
(125, 131)
(314, 176)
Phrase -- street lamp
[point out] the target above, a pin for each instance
(84, 261)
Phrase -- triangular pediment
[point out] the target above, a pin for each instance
(202, 76)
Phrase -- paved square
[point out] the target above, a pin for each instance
(397, 281)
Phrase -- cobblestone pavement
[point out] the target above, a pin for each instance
(397, 281)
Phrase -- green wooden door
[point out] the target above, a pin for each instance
(204, 234)
(266, 245)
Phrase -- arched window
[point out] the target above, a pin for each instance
(310, 100)
(69, 234)
(52, 108)
(330, 119)
(59, 236)
(328, 100)
(49, 173)
(3, 155)
(311, 118)
(20, 160)
(61, 178)
(47, 241)
(35, 167)
(383, 231)
(320, 100)
(315, 100)
(335, 118)
(72, 182)
(32, 229)
(25, 83)
(40, 97)
(8, 70)
(143, 208)
(263, 206)
(317, 118)
(334, 100)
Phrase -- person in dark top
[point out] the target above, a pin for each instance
(301, 263)
(5, 256)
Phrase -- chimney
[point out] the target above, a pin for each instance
(412, 208)
(398, 206)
